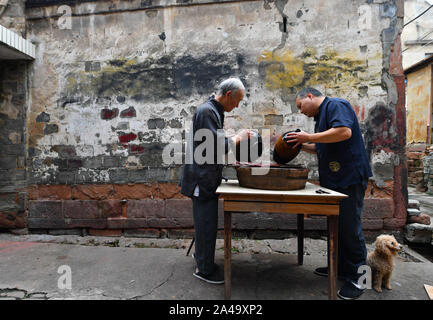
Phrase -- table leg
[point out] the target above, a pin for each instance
(227, 255)
(332, 256)
(300, 239)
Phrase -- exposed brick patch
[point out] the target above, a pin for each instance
(81, 209)
(373, 191)
(393, 223)
(46, 209)
(37, 223)
(378, 208)
(92, 162)
(127, 137)
(105, 232)
(75, 163)
(169, 191)
(111, 162)
(252, 220)
(157, 123)
(146, 209)
(178, 208)
(122, 223)
(372, 224)
(170, 223)
(316, 223)
(400, 195)
(143, 233)
(148, 191)
(153, 154)
(133, 191)
(8, 162)
(92, 192)
(181, 233)
(8, 201)
(52, 192)
(108, 114)
(160, 205)
(86, 223)
(110, 208)
(136, 149)
(128, 113)
(13, 220)
(72, 232)
(64, 151)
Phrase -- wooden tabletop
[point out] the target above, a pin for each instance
(232, 188)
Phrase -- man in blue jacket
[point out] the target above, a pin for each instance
(343, 167)
(202, 173)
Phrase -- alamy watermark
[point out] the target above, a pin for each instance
(365, 280)
(65, 280)
(211, 147)
(65, 20)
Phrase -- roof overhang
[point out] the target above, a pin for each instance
(15, 47)
(419, 65)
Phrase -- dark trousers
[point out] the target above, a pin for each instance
(352, 252)
(205, 228)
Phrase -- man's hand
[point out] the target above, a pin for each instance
(243, 135)
(298, 137)
(331, 135)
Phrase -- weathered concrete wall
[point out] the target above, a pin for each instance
(13, 133)
(110, 93)
(12, 16)
(13, 173)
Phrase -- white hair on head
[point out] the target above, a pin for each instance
(231, 84)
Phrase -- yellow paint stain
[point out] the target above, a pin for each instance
(329, 69)
(283, 70)
(131, 62)
(71, 83)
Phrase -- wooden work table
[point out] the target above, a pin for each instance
(299, 202)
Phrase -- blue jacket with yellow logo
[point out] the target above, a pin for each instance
(344, 163)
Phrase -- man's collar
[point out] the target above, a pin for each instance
(324, 102)
(316, 117)
(218, 105)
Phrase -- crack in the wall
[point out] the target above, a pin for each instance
(280, 5)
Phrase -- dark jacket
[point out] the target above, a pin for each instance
(207, 175)
(343, 163)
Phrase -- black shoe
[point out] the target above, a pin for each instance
(324, 273)
(216, 277)
(349, 291)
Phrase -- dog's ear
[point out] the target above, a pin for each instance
(380, 244)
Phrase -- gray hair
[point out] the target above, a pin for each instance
(304, 92)
(231, 84)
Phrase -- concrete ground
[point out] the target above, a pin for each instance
(137, 268)
(35, 267)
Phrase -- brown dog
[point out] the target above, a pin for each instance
(381, 261)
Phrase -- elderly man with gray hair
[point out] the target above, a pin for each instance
(199, 180)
